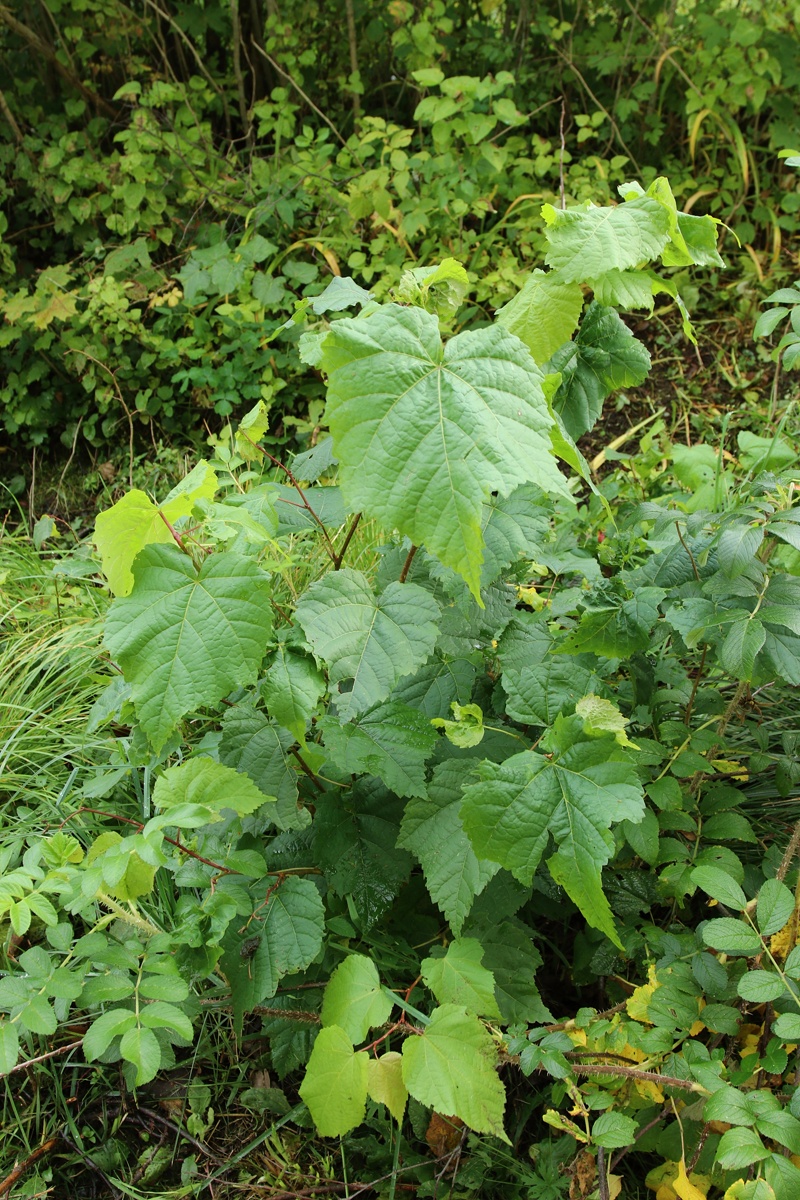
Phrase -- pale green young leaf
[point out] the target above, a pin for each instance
(385, 1083)
(9, 1046)
(291, 689)
(441, 427)
(391, 741)
(185, 638)
(335, 1083)
(367, 641)
(544, 314)
(432, 831)
(600, 717)
(134, 522)
(587, 242)
(624, 289)
(354, 999)
(202, 781)
(459, 978)
(38, 1015)
(451, 1068)
(250, 431)
(440, 288)
(140, 1047)
(466, 730)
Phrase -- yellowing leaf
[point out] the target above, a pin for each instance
(685, 1188)
(385, 1083)
(637, 1003)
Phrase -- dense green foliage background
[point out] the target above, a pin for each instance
(176, 175)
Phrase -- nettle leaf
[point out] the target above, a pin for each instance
(134, 522)
(366, 641)
(355, 843)
(335, 1083)
(540, 685)
(544, 314)
(291, 689)
(451, 1068)
(514, 527)
(585, 243)
(604, 357)
(573, 795)
(433, 832)
(210, 784)
(259, 748)
(385, 1083)
(391, 741)
(354, 999)
(441, 427)
(289, 928)
(457, 977)
(185, 638)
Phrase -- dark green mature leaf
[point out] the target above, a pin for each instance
(185, 638)
(775, 906)
(514, 526)
(573, 795)
(543, 314)
(509, 953)
(432, 831)
(605, 356)
(585, 243)
(441, 427)
(259, 748)
(391, 741)
(616, 632)
(739, 1148)
(368, 642)
(355, 840)
(289, 929)
(434, 687)
(541, 685)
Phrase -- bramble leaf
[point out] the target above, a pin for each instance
(451, 1069)
(185, 638)
(335, 1083)
(354, 999)
(441, 427)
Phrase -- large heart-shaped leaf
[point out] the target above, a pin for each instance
(440, 427)
(185, 638)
